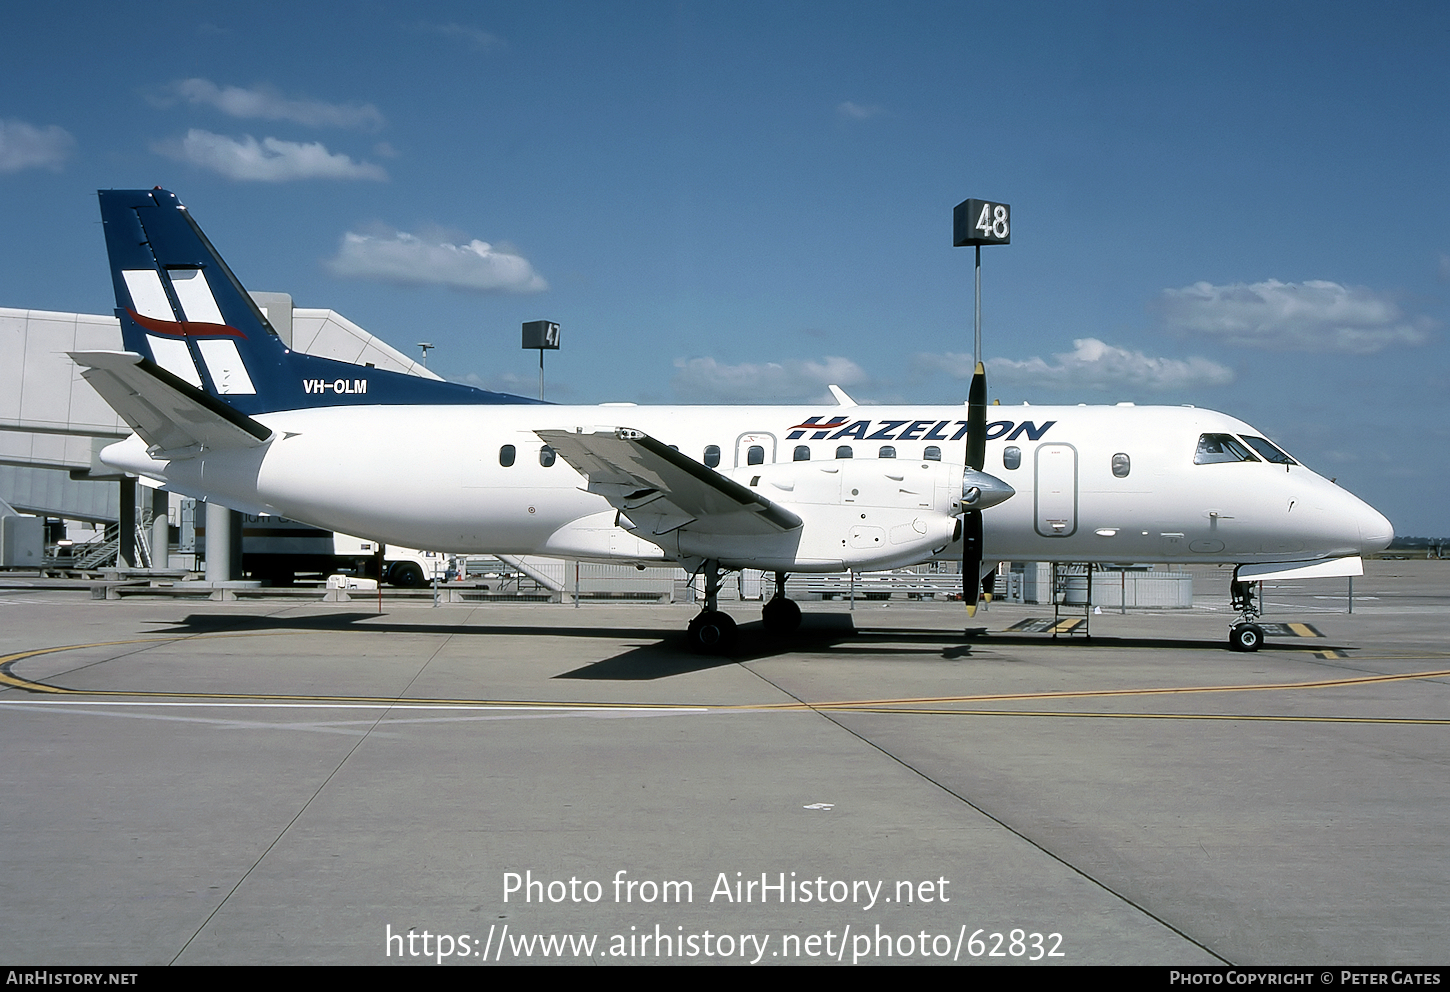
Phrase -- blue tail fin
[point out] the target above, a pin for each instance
(180, 306)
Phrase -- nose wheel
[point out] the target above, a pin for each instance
(1245, 637)
(1245, 634)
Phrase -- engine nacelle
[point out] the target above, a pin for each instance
(867, 514)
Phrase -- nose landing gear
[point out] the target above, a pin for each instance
(1245, 634)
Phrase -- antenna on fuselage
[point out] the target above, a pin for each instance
(977, 223)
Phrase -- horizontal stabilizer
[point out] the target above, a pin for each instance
(173, 417)
(1333, 568)
(652, 485)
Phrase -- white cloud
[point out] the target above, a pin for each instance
(517, 385)
(704, 380)
(270, 160)
(1091, 364)
(858, 111)
(1284, 316)
(407, 259)
(476, 37)
(267, 103)
(24, 146)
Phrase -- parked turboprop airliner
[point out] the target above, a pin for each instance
(222, 410)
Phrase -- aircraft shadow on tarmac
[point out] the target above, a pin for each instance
(665, 654)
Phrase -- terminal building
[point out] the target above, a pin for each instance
(53, 426)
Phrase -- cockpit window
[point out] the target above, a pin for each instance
(1214, 448)
(1269, 452)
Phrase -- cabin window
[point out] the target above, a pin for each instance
(1011, 456)
(712, 455)
(506, 455)
(887, 451)
(1267, 449)
(546, 456)
(1215, 448)
(802, 453)
(755, 456)
(844, 451)
(931, 454)
(1122, 465)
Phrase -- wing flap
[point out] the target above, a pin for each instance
(172, 416)
(655, 486)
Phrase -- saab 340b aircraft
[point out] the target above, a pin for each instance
(222, 410)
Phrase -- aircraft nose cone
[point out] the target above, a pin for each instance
(1375, 530)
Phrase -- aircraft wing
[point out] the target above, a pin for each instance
(174, 417)
(655, 487)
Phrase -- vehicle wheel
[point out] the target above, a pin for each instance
(1246, 637)
(406, 575)
(712, 633)
(781, 616)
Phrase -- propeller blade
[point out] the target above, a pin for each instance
(971, 559)
(972, 519)
(977, 419)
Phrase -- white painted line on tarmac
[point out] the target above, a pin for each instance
(260, 704)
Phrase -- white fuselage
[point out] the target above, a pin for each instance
(434, 477)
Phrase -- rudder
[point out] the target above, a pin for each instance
(181, 306)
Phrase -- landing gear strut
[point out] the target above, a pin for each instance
(712, 632)
(780, 616)
(1245, 634)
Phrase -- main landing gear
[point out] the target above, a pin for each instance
(1245, 634)
(714, 632)
(780, 615)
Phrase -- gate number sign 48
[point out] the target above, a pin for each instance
(981, 222)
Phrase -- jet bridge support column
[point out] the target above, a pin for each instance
(223, 543)
(160, 529)
(126, 527)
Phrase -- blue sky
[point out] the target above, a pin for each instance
(1240, 206)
